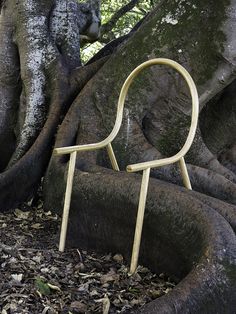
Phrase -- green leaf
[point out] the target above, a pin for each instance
(42, 287)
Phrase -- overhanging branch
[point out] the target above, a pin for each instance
(122, 11)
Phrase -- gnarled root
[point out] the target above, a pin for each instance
(182, 235)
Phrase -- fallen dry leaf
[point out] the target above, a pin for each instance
(17, 277)
(73, 282)
(79, 306)
(21, 214)
(37, 226)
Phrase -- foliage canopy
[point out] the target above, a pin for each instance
(117, 19)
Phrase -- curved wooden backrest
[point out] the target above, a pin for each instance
(119, 116)
(194, 120)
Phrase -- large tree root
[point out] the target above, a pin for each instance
(182, 236)
(131, 145)
(186, 233)
(217, 121)
(228, 158)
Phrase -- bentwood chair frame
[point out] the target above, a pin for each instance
(143, 166)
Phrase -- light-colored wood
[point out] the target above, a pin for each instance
(79, 148)
(139, 221)
(184, 173)
(66, 209)
(112, 157)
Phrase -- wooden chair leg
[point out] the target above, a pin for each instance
(139, 221)
(112, 157)
(67, 200)
(184, 173)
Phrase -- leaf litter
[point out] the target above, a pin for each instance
(37, 278)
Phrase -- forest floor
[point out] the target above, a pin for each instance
(36, 278)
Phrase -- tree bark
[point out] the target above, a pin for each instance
(38, 58)
(156, 121)
(191, 232)
(157, 111)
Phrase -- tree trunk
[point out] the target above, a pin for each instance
(41, 76)
(38, 57)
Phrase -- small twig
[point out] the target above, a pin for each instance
(106, 305)
(80, 256)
